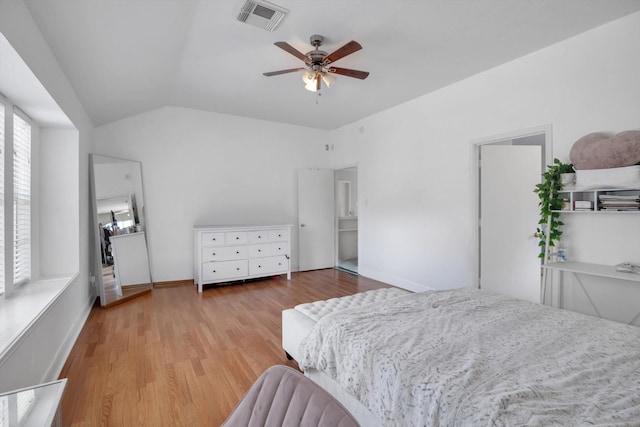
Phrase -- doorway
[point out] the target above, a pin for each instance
(346, 219)
(509, 167)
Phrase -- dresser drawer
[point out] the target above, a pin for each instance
(236, 237)
(212, 239)
(279, 235)
(270, 249)
(260, 236)
(269, 265)
(224, 270)
(225, 253)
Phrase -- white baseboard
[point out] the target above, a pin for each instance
(57, 364)
(393, 280)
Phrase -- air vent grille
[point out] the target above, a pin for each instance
(262, 14)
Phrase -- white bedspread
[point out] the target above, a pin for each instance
(474, 358)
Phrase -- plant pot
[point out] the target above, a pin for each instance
(567, 179)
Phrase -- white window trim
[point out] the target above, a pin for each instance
(3, 103)
(9, 109)
(27, 278)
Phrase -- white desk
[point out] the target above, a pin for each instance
(581, 268)
(593, 270)
(33, 406)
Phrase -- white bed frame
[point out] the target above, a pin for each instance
(364, 417)
(297, 323)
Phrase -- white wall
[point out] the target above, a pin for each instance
(59, 210)
(52, 339)
(415, 161)
(202, 168)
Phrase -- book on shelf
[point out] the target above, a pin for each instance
(635, 197)
(620, 203)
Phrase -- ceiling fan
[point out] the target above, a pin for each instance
(318, 62)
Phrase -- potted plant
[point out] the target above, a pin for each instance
(549, 227)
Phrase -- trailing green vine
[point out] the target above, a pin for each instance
(550, 204)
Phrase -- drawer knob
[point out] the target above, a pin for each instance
(237, 268)
(259, 266)
(237, 238)
(214, 271)
(237, 252)
(279, 263)
(214, 254)
(259, 250)
(259, 237)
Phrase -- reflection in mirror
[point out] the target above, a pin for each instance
(122, 261)
(344, 198)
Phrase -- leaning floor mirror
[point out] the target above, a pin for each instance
(122, 260)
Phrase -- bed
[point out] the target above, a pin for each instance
(469, 357)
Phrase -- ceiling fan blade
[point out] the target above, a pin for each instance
(275, 73)
(349, 73)
(292, 50)
(347, 49)
(318, 81)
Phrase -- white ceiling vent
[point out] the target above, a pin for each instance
(262, 14)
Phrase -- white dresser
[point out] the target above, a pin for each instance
(230, 253)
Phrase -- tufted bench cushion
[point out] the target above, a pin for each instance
(297, 322)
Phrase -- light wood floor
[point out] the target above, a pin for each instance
(178, 358)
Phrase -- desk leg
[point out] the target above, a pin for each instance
(587, 295)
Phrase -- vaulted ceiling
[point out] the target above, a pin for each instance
(124, 58)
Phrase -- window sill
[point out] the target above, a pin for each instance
(23, 308)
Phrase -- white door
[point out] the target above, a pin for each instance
(315, 219)
(509, 214)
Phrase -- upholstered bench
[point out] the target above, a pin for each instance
(297, 322)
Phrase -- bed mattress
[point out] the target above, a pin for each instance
(470, 357)
(297, 322)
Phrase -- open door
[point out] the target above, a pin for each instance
(315, 219)
(509, 262)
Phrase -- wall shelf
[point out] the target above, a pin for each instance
(571, 196)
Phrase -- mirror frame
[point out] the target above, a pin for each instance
(97, 256)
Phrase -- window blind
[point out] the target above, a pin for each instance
(21, 200)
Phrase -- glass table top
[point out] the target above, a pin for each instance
(31, 406)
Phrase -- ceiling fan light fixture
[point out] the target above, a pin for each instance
(311, 86)
(328, 79)
(308, 76)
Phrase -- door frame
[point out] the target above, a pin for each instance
(547, 159)
(336, 213)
